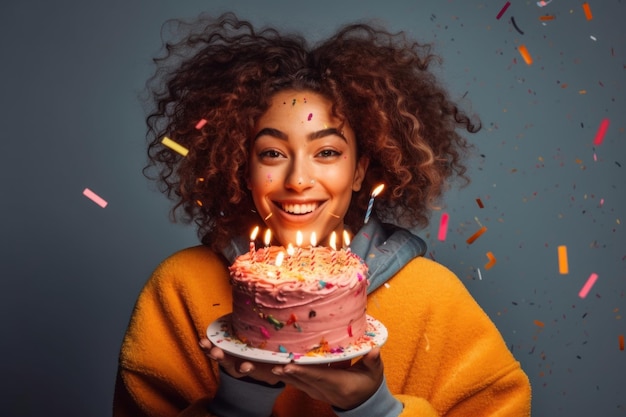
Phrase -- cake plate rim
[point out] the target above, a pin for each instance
(217, 333)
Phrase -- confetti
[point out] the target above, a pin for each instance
(94, 197)
(563, 265)
(480, 203)
(480, 277)
(525, 54)
(492, 261)
(538, 323)
(587, 287)
(604, 125)
(476, 235)
(593, 38)
(201, 123)
(515, 26)
(546, 17)
(478, 221)
(621, 342)
(174, 146)
(501, 12)
(310, 117)
(443, 226)
(587, 11)
(543, 3)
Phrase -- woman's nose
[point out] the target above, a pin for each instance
(299, 177)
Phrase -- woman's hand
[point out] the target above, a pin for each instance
(237, 367)
(344, 388)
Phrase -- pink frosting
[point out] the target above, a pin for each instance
(315, 300)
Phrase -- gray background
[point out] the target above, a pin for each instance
(71, 72)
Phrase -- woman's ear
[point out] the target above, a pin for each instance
(359, 173)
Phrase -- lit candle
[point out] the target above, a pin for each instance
(279, 258)
(290, 252)
(267, 240)
(370, 205)
(333, 245)
(299, 240)
(255, 232)
(313, 245)
(346, 241)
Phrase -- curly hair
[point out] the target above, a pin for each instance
(225, 72)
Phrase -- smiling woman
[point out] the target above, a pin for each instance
(296, 138)
(313, 164)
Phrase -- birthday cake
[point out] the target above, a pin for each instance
(313, 300)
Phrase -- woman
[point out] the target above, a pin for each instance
(294, 138)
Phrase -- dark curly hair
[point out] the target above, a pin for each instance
(224, 71)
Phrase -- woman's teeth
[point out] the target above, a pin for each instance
(299, 208)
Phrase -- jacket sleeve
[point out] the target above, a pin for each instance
(162, 370)
(444, 356)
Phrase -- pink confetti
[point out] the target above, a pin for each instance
(587, 287)
(264, 332)
(604, 125)
(443, 226)
(201, 123)
(506, 6)
(310, 117)
(94, 197)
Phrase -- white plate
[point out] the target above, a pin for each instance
(220, 335)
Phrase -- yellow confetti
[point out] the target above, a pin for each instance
(174, 146)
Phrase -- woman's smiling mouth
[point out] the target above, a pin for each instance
(298, 208)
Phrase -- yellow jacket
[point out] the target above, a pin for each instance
(443, 357)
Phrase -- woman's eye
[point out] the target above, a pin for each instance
(329, 153)
(270, 154)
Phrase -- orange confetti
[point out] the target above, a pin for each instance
(525, 54)
(201, 123)
(480, 203)
(563, 265)
(538, 323)
(492, 261)
(476, 235)
(546, 17)
(621, 342)
(587, 10)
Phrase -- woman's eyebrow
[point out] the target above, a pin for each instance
(326, 132)
(270, 131)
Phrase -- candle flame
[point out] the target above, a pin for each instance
(313, 239)
(379, 189)
(346, 239)
(290, 250)
(279, 258)
(333, 241)
(268, 237)
(255, 232)
(299, 238)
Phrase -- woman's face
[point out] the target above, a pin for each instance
(303, 167)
